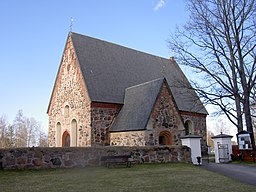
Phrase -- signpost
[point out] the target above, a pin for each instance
(244, 140)
(245, 144)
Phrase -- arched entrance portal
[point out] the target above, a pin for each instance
(165, 138)
(188, 127)
(66, 139)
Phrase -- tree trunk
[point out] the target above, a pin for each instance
(248, 118)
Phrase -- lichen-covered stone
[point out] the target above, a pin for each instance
(91, 156)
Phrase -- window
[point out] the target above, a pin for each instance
(73, 133)
(188, 127)
(66, 111)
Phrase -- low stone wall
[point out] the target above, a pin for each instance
(42, 158)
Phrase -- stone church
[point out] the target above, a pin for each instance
(107, 94)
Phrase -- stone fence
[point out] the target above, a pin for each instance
(42, 158)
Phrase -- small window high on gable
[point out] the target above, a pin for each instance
(66, 111)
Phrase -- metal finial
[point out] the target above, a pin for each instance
(71, 24)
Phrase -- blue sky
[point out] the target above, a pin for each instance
(33, 35)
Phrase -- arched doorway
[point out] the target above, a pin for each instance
(66, 139)
(165, 138)
(188, 127)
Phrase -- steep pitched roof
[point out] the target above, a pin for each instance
(138, 104)
(108, 69)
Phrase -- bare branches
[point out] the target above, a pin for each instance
(23, 132)
(219, 43)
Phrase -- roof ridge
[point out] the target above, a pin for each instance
(117, 69)
(116, 44)
(148, 82)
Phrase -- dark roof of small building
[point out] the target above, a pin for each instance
(191, 136)
(138, 104)
(108, 69)
(222, 136)
(243, 132)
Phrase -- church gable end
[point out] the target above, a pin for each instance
(70, 105)
(163, 122)
(165, 125)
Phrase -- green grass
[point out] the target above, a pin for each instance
(244, 163)
(147, 177)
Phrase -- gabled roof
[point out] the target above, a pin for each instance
(222, 136)
(138, 104)
(108, 69)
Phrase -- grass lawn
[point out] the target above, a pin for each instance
(244, 163)
(146, 177)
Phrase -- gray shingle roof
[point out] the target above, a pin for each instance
(138, 104)
(222, 136)
(109, 69)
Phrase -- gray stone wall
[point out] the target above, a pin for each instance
(199, 127)
(129, 138)
(70, 91)
(165, 117)
(102, 119)
(42, 158)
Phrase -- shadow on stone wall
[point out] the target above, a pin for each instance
(43, 158)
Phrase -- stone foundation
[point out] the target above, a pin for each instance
(42, 158)
(130, 138)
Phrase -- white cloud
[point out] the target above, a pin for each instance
(159, 5)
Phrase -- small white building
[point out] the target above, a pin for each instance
(194, 142)
(222, 148)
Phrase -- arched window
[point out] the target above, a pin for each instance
(188, 127)
(58, 135)
(73, 133)
(66, 111)
(165, 138)
(65, 139)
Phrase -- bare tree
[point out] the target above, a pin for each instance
(3, 127)
(10, 137)
(32, 127)
(19, 125)
(42, 139)
(6, 133)
(24, 132)
(219, 42)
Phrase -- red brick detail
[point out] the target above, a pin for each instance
(193, 114)
(106, 105)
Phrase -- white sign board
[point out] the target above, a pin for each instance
(244, 141)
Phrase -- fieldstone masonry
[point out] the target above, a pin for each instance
(70, 93)
(131, 138)
(101, 121)
(43, 158)
(164, 117)
(199, 128)
(71, 112)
